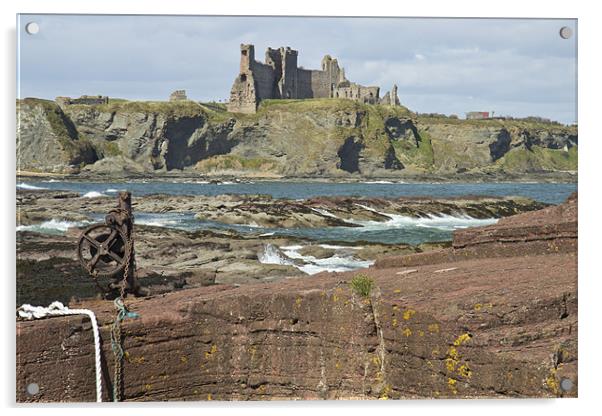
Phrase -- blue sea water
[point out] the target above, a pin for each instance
(397, 230)
(553, 193)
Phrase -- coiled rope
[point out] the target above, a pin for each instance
(27, 311)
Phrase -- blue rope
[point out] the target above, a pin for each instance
(122, 314)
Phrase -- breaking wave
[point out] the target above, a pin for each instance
(29, 187)
(290, 256)
(53, 226)
(93, 194)
(441, 222)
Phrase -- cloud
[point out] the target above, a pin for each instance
(515, 66)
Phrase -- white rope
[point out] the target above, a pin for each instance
(58, 309)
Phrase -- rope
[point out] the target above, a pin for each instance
(27, 311)
(116, 346)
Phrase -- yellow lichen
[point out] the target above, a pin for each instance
(386, 391)
(450, 364)
(407, 332)
(420, 333)
(394, 322)
(212, 351)
(462, 339)
(407, 314)
(209, 397)
(552, 382)
(433, 328)
(478, 307)
(451, 383)
(395, 308)
(148, 387)
(184, 359)
(397, 291)
(136, 360)
(298, 301)
(452, 353)
(464, 371)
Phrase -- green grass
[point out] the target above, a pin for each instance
(169, 108)
(237, 163)
(73, 144)
(539, 159)
(508, 124)
(109, 149)
(421, 156)
(362, 285)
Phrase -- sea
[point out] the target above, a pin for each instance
(398, 229)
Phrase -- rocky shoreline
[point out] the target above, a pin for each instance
(245, 177)
(494, 314)
(254, 238)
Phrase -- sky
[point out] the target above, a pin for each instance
(516, 67)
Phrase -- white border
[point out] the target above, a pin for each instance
(590, 153)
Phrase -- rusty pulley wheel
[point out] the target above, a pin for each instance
(102, 250)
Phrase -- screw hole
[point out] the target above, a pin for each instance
(33, 389)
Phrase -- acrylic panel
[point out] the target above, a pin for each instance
(295, 208)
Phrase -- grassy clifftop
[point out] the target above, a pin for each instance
(313, 137)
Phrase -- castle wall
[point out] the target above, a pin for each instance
(264, 80)
(321, 84)
(304, 85)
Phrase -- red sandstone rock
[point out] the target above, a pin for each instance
(495, 316)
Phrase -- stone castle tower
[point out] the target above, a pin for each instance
(279, 77)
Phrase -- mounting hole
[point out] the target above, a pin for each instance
(566, 32)
(32, 28)
(32, 389)
(566, 384)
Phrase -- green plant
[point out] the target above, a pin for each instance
(362, 285)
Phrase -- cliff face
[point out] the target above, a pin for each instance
(493, 316)
(320, 137)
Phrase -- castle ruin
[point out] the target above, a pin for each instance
(280, 78)
(178, 95)
(84, 99)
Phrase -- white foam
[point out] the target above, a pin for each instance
(272, 255)
(112, 191)
(29, 187)
(289, 255)
(293, 248)
(335, 264)
(332, 247)
(379, 182)
(441, 222)
(93, 194)
(324, 213)
(52, 226)
(157, 221)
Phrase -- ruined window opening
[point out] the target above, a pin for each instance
(244, 53)
(243, 77)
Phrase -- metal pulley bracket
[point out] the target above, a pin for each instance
(102, 250)
(107, 250)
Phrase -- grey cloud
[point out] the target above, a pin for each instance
(516, 67)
